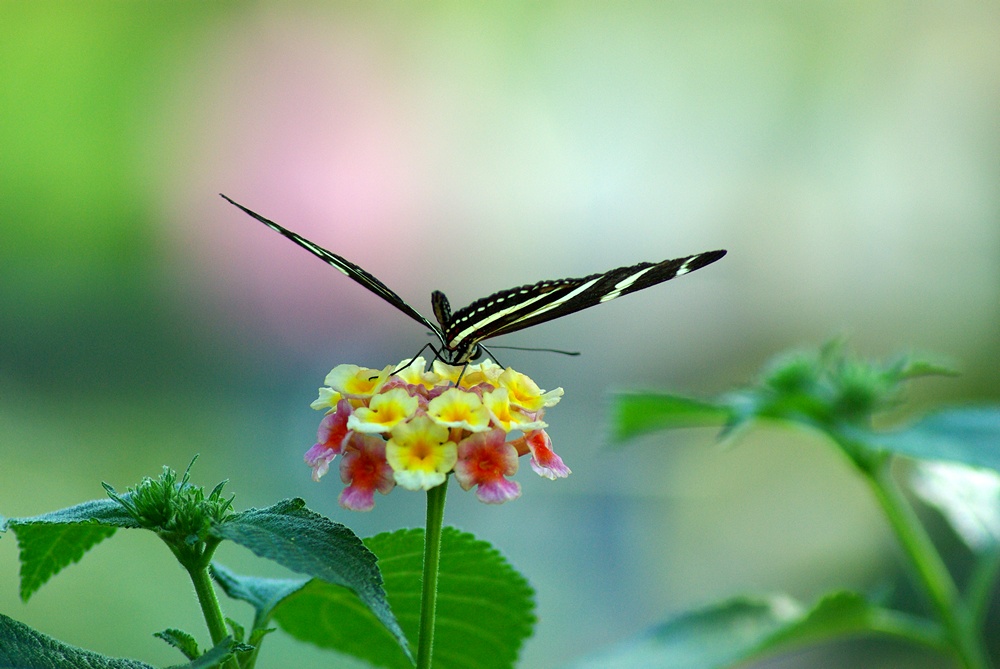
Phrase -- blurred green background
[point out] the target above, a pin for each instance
(846, 153)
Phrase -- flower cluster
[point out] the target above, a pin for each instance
(411, 426)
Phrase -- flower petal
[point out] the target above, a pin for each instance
(484, 461)
(365, 469)
(330, 439)
(328, 399)
(508, 417)
(525, 393)
(356, 382)
(385, 411)
(459, 408)
(414, 373)
(420, 453)
(544, 460)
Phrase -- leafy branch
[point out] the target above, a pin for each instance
(956, 457)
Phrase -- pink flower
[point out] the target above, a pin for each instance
(544, 460)
(330, 439)
(485, 460)
(365, 470)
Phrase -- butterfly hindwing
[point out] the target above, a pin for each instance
(345, 266)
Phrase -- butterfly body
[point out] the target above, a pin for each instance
(508, 310)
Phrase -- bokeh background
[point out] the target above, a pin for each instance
(846, 153)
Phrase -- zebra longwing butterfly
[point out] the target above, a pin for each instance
(508, 310)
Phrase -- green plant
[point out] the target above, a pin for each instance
(439, 597)
(953, 458)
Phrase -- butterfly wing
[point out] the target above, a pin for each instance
(518, 308)
(347, 268)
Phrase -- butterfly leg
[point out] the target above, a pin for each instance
(428, 345)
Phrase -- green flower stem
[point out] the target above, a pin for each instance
(930, 568)
(210, 606)
(980, 587)
(432, 560)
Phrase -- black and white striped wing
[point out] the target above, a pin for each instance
(346, 267)
(518, 308)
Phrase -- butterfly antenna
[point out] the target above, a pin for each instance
(541, 350)
(491, 355)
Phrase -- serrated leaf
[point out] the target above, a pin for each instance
(180, 640)
(25, 648)
(484, 610)
(636, 414)
(52, 541)
(104, 511)
(239, 632)
(745, 628)
(311, 544)
(970, 435)
(213, 658)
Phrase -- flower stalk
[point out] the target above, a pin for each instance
(930, 569)
(209, 603)
(432, 563)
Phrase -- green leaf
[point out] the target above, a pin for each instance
(636, 414)
(484, 609)
(332, 617)
(970, 435)
(239, 632)
(745, 628)
(180, 640)
(912, 368)
(308, 543)
(212, 659)
(55, 540)
(263, 594)
(25, 648)
(105, 511)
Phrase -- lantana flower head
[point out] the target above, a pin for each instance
(409, 426)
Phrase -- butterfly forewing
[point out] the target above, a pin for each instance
(519, 308)
(345, 266)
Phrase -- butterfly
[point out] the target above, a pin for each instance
(462, 332)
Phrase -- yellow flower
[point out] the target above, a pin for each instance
(447, 372)
(412, 372)
(328, 398)
(420, 453)
(507, 417)
(486, 371)
(525, 393)
(356, 382)
(385, 411)
(459, 408)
